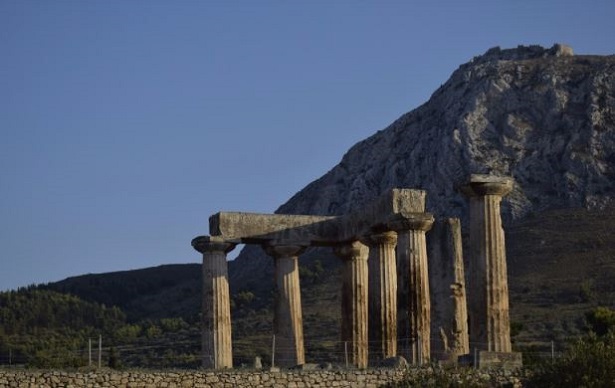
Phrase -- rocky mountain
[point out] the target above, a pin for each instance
(546, 117)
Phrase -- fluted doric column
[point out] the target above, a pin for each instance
(459, 330)
(216, 343)
(382, 295)
(354, 300)
(288, 321)
(412, 254)
(488, 288)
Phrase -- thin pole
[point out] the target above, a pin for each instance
(273, 351)
(475, 359)
(89, 352)
(99, 351)
(346, 352)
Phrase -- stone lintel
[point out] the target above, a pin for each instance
(291, 229)
(482, 184)
(212, 243)
(256, 228)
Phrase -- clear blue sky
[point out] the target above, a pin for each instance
(125, 124)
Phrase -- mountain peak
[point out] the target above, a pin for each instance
(524, 52)
(541, 115)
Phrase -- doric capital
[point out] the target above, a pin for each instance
(351, 250)
(411, 221)
(481, 185)
(388, 237)
(278, 251)
(205, 244)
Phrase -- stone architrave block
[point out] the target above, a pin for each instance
(499, 360)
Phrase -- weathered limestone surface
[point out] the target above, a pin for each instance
(288, 319)
(216, 308)
(258, 228)
(382, 295)
(488, 293)
(355, 301)
(461, 340)
(412, 251)
(447, 279)
(381, 211)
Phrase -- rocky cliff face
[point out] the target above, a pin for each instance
(545, 117)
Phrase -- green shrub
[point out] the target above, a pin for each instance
(590, 362)
(601, 320)
(587, 294)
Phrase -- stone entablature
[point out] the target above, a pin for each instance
(396, 205)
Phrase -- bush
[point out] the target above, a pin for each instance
(586, 291)
(590, 362)
(601, 320)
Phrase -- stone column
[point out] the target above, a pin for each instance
(488, 288)
(460, 344)
(382, 295)
(216, 315)
(354, 300)
(288, 321)
(412, 250)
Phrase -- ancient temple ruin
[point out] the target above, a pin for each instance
(373, 242)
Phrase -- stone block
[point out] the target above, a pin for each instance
(258, 228)
(499, 360)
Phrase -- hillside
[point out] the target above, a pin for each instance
(46, 328)
(561, 264)
(149, 293)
